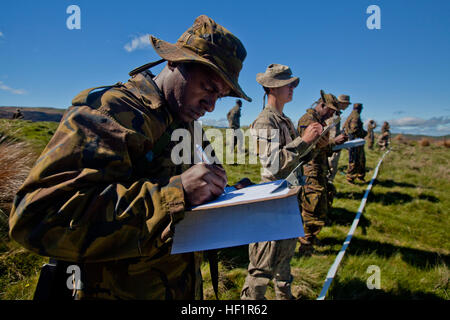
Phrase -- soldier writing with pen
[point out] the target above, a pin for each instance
(105, 194)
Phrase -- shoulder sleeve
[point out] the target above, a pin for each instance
(82, 200)
(277, 157)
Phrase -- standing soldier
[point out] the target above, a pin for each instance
(271, 259)
(356, 157)
(370, 134)
(333, 161)
(105, 194)
(315, 195)
(234, 115)
(385, 136)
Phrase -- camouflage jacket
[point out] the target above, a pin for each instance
(97, 196)
(234, 116)
(318, 165)
(279, 145)
(353, 125)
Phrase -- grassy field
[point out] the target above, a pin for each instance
(404, 229)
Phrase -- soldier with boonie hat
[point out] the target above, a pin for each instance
(111, 192)
(270, 260)
(356, 156)
(333, 160)
(317, 194)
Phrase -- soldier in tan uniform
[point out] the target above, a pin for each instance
(270, 259)
(317, 195)
(234, 115)
(371, 134)
(333, 161)
(383, 140)
(356, 157)
(105, 194)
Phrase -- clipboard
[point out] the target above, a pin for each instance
(350, 144)
(239, 217)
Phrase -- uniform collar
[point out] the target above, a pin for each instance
(271, 108)
(143, 87)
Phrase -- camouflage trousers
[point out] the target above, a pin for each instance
(269, 260)
(357, 163)
(333, 162)
(315, 199)
(370, 141)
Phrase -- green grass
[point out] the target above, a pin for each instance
(403, 230)
(37, 134)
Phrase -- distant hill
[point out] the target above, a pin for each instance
(33, 114)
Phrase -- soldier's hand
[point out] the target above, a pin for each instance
(203, 182)
(340, 139)
(312, 132)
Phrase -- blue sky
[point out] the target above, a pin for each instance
(400, 72)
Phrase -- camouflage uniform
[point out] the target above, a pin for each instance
(370, 134)
(234, 116)
(357, 159)
(317, 195)
(383, 141)
(97, 198)
(271, 259)
(333, 160)
(105, 189)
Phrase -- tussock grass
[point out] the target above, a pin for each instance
(18, 268)
(424, 142)
(15, 163)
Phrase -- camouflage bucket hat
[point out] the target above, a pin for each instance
(330, 100)
(344, 101)
(277, 75)
(211, 44)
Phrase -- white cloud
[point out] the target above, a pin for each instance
(1, 34)
(138, 43)
(419, 122)
(12, 90)
(414, 125)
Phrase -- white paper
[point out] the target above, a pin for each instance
(230, 226)
(257, 192)
(350, 144)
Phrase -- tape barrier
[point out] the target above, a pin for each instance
(332, 272)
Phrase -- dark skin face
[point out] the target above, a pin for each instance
(324, 112)
(192, 90)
